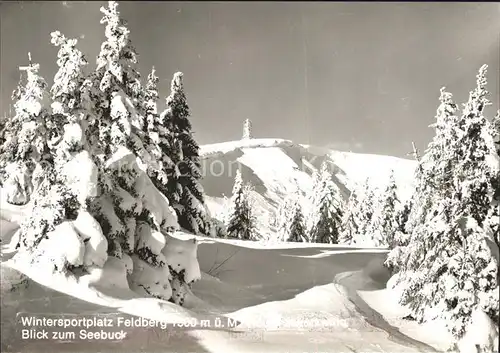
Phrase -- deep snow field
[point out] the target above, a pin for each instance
(258, 297)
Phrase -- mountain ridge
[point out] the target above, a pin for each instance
(277, 167)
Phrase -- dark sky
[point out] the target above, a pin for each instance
(354, 76)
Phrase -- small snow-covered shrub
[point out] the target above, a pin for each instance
(448, 263)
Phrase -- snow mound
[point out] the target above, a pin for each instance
(112, 275)
(321, 308)
(225, 147)
(147, 280)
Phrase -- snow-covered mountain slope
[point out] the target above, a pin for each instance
(276, 167)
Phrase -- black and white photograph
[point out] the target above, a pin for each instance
(249, 177)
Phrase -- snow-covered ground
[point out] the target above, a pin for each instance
(285, 297)
(277, 167)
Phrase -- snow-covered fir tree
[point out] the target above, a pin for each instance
(477, 172)
(241, 220)
(350, 219)
(156, 136)
(284, 215)
(433, 175)
(183, 187)
(297, 231)
(247, 129)
(364, 213)
(59, 190)
(402, 216)
(135, 218)
(447, 268)
(68, 103)
(326, 208)
(405, 227)
(432, 184)
(311, 199)
(419, 177)
(151, 97)
(220, 229)
(27, 133)
(117, 94)
(384, 222)
(116, 124)
(290, 220)
(432, 190)
(401, 237)
(4, 120)
(55, 198)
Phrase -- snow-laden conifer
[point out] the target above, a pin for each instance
(384, 223)
(242, 219)
(284, 215)
(27, 138)
(326, 209)
(350, 219)
(364, 214)
(156, 136)
(297, 231)
(290, 220)
(183, 187)
(135, 217)
(448, 269)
